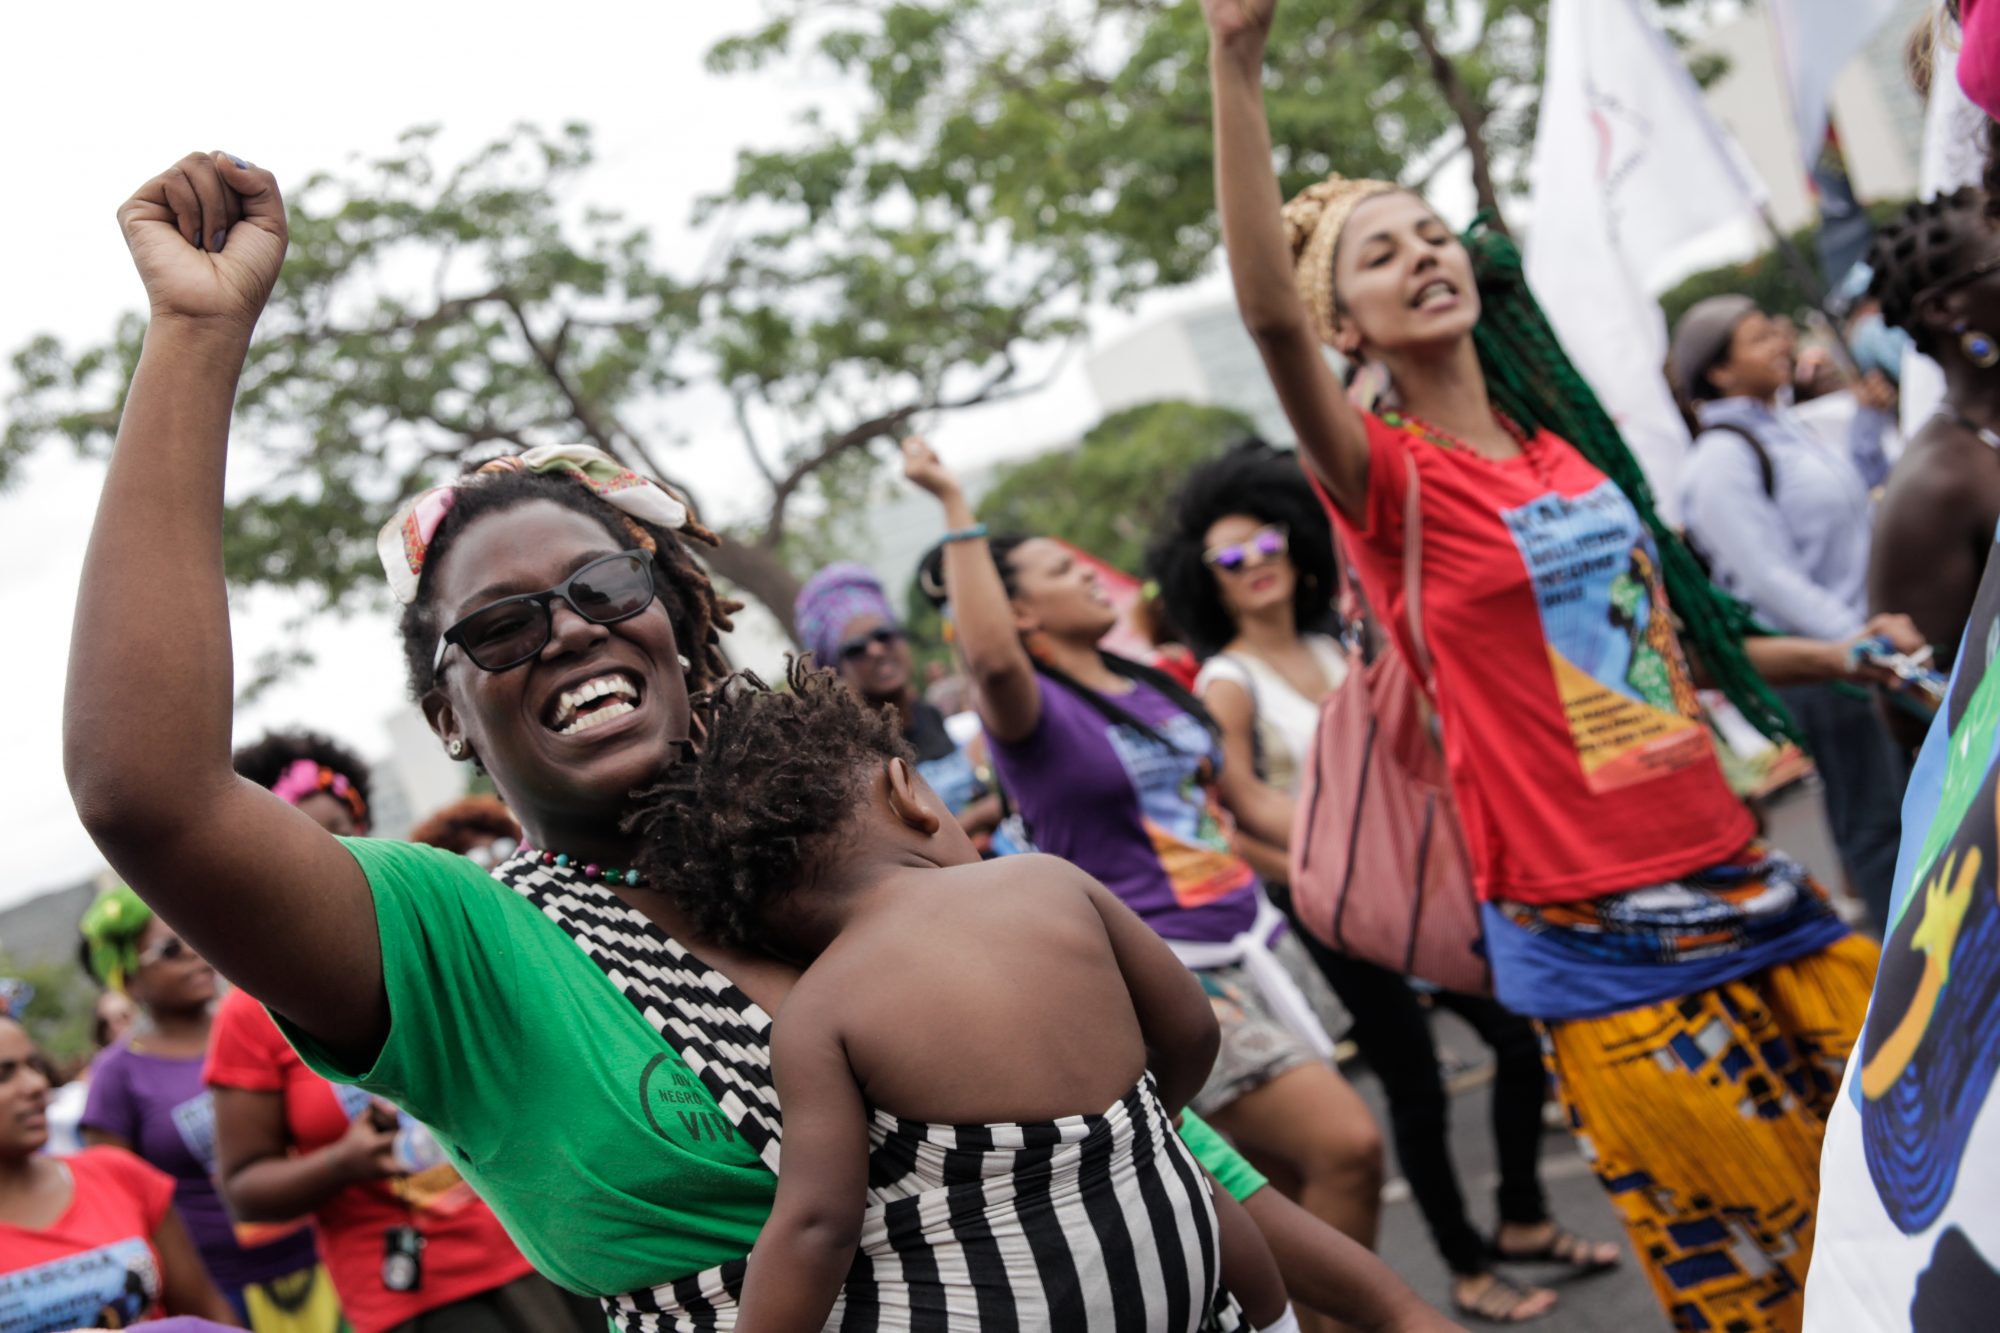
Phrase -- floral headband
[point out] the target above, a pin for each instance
(406, 539)
(308, 777)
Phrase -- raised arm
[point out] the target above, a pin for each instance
(1008, 694)
(1175, 1016)
(1330, 432)
(146, 713)
(809, 1242)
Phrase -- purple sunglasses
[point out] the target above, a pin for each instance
(1265, 543)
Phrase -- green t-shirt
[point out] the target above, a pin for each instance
(1230, 1168)
(605, 1157)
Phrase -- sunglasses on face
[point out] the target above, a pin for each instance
(1264, 544)
(853, 650)
(512, 630)
(166, 951)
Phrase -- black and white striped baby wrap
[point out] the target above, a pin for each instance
(1097, 1222)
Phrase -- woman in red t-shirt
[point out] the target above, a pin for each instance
(293, 1143)
(1698, 994)
(90, 1240)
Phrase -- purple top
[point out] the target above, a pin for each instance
(1131, 811)
(162, 1108)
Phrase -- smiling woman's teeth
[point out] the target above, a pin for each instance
(595, 717)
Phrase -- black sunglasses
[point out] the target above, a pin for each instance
(512, 630)
(854, 649)
(166, 951)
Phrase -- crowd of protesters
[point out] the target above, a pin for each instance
(1036, 964)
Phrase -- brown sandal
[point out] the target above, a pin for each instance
(1502, 1301)
(1562, 1247)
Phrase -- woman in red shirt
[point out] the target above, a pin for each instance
(1697, 992)
(86, 1240)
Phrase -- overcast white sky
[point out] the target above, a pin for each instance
(102, 96)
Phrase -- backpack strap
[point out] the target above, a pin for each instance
(1765, 470)
(1413, 568)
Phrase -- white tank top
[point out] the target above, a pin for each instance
(1285, 719)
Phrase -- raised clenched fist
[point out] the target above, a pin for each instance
(1231, 20)
(208, 237)
(922, 468)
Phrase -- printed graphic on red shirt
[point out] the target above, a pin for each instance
(108, 1286)
(1625, 687)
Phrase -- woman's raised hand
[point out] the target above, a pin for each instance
(1232, 20)
(208, 237)
(922, 469)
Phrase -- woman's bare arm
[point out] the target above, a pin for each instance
(1264, 812)
(1330, 432)
(147, 711)
(1005, 688)
(263, 1181)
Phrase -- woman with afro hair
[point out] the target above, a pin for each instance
(1248, 567)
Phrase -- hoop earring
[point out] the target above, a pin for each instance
(1979, 348)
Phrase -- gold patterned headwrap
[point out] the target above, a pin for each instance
(1314, 220)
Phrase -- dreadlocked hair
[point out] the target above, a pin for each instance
(697, 612)
(1921, 248)
(930, 581)
(1265, 484)
(1531, 379)
(739, 823)
(265, 760)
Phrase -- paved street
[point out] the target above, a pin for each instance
(1615, 1302)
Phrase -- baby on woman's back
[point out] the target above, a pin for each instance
(979, 1067)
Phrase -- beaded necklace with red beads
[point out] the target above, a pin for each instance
(591, 871)
(1530, 444)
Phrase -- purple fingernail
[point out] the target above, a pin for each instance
(215, 241)
(241, 164)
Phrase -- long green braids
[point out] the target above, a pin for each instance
(1531, 380)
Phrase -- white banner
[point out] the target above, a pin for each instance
(1628, 167)
(1816, 39)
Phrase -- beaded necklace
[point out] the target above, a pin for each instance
(1444, 439)
(592, 871)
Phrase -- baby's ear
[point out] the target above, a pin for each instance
(910, 798)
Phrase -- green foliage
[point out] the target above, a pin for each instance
(62, 1012)
(1006, 165)
(1109, 494)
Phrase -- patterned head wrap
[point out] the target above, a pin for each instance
(111, 928)
(308, 777)
(831, 600)
(1314, 220)
(406, 539)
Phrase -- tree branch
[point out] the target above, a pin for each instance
(1471, 115)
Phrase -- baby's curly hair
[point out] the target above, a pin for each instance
(740, 821)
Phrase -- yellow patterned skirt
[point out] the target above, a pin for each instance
(1702, 1116)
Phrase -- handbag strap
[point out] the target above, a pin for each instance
(1413, 568)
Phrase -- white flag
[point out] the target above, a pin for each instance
(1816, 39)
(1628, 167)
